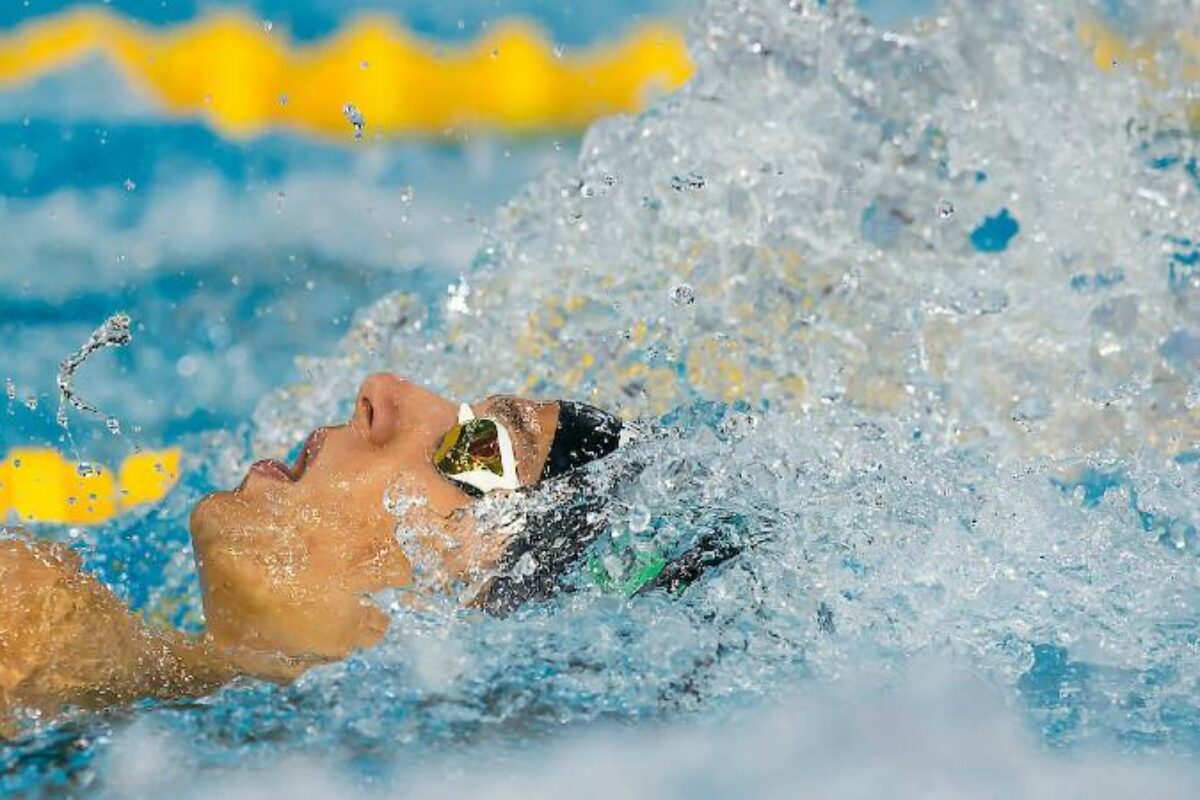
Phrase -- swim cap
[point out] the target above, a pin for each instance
(584, 433)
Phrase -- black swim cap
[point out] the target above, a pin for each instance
(584, 434)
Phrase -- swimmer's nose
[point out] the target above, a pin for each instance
(377, 410)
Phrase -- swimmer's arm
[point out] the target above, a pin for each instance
(66, 640)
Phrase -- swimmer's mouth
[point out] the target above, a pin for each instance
(276, 470)
(272, 468)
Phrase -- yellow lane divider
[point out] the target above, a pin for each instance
(245, 78)
(40, 485)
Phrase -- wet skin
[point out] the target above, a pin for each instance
(287, 561)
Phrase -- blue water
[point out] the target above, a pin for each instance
(979, 509)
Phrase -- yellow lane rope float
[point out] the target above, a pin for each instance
(39, 485)
(245, 78)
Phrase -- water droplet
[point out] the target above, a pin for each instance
(406, 194)
(10, 389)
(683, 295)
(355, 118)
(1192, 399)
(461, 24)
(283, 99)
(693, 180)
(945, 209)
(16, 462)
(459, 292)
(559, 50)
(399, 503)
(495, 52)
(114, 332)
(639, 519)
(187, 366)
(31, 402)
(364, 64)
(267, 25)
(525, 567)
(129, 185)
(113, 425)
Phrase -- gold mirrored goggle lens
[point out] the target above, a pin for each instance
(469, 446)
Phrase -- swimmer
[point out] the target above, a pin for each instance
(289, 560)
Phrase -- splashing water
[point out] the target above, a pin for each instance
(355, 118)
(930, 391)
(952, 438)
(114, 332)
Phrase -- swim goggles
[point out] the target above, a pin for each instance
(478, 453)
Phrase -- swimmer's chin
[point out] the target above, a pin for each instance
(204, 521)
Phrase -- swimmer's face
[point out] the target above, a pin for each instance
(288, 559)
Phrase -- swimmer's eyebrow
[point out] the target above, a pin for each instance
(503, 406)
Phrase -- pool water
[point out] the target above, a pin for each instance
(911, 306)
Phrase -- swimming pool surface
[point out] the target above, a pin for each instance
(912, 305)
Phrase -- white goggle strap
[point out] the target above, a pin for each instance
(482, 479)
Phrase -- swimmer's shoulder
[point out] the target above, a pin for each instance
(67, 640)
